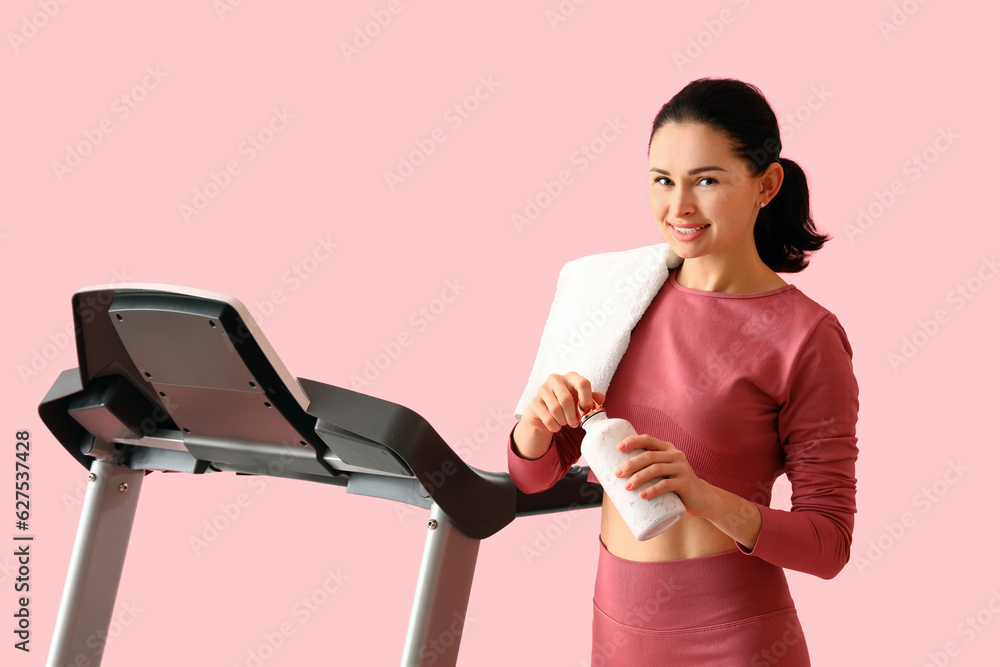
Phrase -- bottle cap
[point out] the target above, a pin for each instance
(597, 410)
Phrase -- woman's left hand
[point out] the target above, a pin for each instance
(662, 459)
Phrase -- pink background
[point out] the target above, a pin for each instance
(909, 592)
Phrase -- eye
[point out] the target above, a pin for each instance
(663, 180)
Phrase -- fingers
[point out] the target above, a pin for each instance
(556, 403)
(658, 461)
(655, 471)
(583, 391)
(651, 463)
(657, 489)
(561, 401)
(566, 397)
(646, 442)
(597, 397)
(539, 415)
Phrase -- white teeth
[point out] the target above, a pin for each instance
(689, 231)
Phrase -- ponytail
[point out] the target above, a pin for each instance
(785, 233)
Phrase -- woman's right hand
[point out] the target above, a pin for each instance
(560, 401)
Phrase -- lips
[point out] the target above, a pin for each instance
(688, 232)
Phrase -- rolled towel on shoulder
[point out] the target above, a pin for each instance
(598, 301)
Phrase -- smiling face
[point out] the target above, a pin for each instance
(703, 197)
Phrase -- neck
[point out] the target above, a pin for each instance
(702, 273)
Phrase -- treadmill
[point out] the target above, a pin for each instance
(175, 379)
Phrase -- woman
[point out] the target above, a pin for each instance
(731, 377)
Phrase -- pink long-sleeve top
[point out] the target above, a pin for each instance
(748, 386)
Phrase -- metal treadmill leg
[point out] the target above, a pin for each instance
(442, 597)
(95, 568)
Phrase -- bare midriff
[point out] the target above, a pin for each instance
(690, 537)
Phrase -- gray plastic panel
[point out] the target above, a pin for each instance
(403, 490)
(149, 458)
(188, 349)
(221, 413)
(257, 457)
(358, 451)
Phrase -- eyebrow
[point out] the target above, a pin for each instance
(690, 173)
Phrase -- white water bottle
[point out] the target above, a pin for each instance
(645, 517)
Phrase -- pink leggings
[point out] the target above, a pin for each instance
(719, 610)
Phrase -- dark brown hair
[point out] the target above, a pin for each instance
(784, 232)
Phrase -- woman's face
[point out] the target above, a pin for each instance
(696, 182)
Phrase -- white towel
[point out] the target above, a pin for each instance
(599, 299)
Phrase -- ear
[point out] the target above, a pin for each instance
(770, 181)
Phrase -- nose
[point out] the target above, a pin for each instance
(681, 202)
